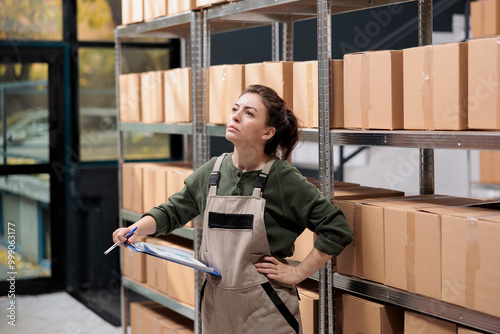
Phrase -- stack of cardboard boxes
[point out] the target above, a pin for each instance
(150, 317)
(156, 96)
(435, 246)
(134, 11)
(146, 185)
(441, 87)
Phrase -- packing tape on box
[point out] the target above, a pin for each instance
(365, 99)
(410, 251)
(472, 262)
(428, 89)
(310, 93)
(358, 238)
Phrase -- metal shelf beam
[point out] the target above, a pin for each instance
(181, 129)
(174, 26)
(254, 13)
(418, 303)
(180, 308)
(419, 139)
(478, 140)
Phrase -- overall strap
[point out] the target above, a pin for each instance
(215, 176)
(260, 182)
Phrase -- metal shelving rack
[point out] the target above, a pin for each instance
(246, 14)
(186, 27)
(197, 27)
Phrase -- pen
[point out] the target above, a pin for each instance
(119, 242)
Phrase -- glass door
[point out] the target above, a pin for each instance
(32, 185)
(24, 198)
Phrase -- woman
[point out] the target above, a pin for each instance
(253, 207)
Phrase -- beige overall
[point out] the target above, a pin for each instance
(242, 301)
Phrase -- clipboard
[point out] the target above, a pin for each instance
(172, 254)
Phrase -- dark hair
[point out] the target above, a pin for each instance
(281, 118)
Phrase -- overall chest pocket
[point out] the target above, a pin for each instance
(230, 221)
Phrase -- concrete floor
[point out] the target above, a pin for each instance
(54, 313)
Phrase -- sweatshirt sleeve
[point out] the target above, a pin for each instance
(312, 210)
(184, 205)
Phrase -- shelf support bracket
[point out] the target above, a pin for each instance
(325, 147)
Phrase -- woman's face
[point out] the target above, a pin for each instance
(247, 123)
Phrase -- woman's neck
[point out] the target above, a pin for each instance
(248, 159)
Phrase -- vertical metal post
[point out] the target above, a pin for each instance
(121, 160)
(207, 47)
(199, 134)
(184, 53)
(287, 41)
(4, 127)
(325, 148)
(275, 33)
(425, 38)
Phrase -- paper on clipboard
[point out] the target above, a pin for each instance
(180, 256)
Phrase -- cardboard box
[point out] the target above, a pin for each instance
(416, 323)
(127, 186)
(180, 6)
(366, 256)
(161, 282)
(413, 243)
(180, 279)
(206, 3)
(150, 317)
(152, 97)
(337, 119)
(160, 190)
(169, 326)
(136, 308)
(152, 266)
(484, 88)
(305, 92)
(462, 330)
(435, 87)
(152, 185)
(485, 18)
(183, 331)
(413, 251)
(154, 9)
(373, 90)
(130, 97)
(279, 76)
(309, 306)
(364, 192)
(225, 85)
(489, 162)
(132, 11)
(178, 104)
(132, 186)
(305, 242)
(123, 91)
(254, 74)
(175, 179)
(363, 316)
(470, 266)
(134, 264)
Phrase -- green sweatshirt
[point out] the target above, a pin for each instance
(292, 204)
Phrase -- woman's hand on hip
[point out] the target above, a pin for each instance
(276, 270)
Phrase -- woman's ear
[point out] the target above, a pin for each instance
(270, 131)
